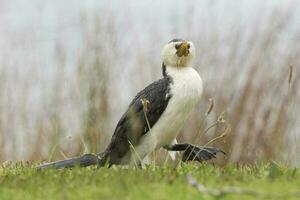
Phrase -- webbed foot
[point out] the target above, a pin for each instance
(196, 153)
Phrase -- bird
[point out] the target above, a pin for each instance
(155, 116)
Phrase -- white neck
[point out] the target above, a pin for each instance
(187, 77)
(178, 71)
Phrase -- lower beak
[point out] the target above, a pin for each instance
(183, 49)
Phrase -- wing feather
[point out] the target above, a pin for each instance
(133, 125)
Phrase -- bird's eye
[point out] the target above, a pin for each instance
(177, 46)
(188, 46)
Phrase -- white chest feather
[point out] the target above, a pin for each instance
(186, 91)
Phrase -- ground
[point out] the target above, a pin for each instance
(268, 181)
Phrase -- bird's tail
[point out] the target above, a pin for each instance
(82, 161)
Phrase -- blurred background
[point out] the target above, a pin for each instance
(68, 70)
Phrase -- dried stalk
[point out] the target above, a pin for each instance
(236, 190)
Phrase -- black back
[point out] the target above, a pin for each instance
(133, 125)
(176, 40)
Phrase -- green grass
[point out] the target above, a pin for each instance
(26, 183)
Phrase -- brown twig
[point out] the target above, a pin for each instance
(235, 190)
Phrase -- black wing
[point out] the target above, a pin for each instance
(133, 125)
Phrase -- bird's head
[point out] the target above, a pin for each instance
(178, 53)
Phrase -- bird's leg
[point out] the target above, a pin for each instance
(195, 153)
(173, 153)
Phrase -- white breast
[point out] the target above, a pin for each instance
(186, 91)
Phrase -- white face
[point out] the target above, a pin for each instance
(178, 53)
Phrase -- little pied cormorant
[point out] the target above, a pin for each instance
(155, 116)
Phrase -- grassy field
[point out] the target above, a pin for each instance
(268, 181)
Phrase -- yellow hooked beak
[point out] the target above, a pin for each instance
(183, 49)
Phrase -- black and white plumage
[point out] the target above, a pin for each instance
(132, 126)
(169, 101)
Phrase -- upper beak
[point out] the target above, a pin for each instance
(183, 49)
